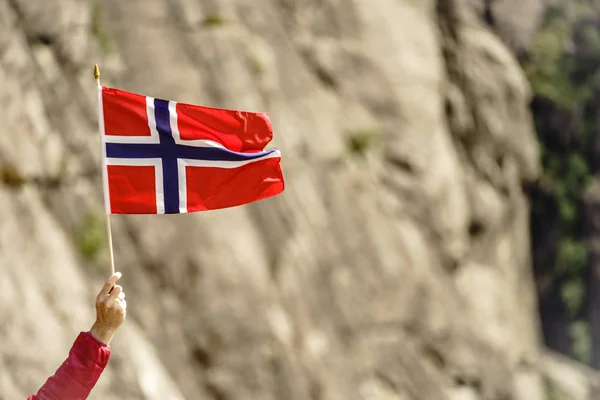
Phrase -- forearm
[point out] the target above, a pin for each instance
(79, 373)
(103, 335)
(90, 352)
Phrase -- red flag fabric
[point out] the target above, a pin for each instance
(164, 157)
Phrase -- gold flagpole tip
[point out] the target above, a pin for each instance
(96, 71)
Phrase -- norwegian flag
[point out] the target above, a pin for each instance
(164, 157)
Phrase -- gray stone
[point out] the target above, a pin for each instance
(399, 273)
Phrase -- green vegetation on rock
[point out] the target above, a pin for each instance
(582, 341)
(10, 176)
(90, 237)
(213, 20)
(544, 68)
(360, 140)
(98, 28)
(562, 66)
(256, 65)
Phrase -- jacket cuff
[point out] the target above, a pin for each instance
(89, 336)
(92, 348)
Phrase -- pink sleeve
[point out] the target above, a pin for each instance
(78, 374)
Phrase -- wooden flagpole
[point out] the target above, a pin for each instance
(108, 230)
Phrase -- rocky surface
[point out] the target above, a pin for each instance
(396, 265)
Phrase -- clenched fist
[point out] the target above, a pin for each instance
(111, 309)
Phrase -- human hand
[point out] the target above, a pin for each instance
(111, 309)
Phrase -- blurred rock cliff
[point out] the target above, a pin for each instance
(395, 266)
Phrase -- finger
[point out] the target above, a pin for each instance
(110, 282)
(115, 292)
(123, 305)
(122, 296)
